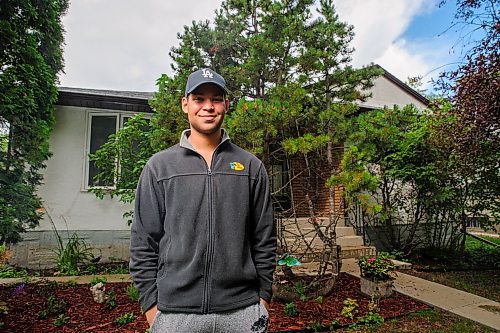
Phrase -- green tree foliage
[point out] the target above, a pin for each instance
(390, 173)
(30, 58)
(293, 91)
(399, 169)
(283, 66)
(433, 170)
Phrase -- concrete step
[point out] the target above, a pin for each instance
(350, 241)
(401, 265)
(342, 241)
(340, 231)
(357, 251)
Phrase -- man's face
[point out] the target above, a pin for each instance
(205, 108)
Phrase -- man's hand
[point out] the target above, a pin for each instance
(266, 305)
(150, 315)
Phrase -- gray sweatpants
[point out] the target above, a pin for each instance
(252, 319)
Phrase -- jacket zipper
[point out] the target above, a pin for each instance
(205, 305)
(208, 263)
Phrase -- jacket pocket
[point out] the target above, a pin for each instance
(162, 264)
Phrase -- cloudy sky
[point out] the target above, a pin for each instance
(124, 44)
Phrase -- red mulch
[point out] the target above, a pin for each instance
(88, 316)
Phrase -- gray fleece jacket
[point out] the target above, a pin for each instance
(203, 238)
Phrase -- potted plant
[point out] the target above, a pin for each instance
(376, 279)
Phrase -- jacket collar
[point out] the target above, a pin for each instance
(184, 143)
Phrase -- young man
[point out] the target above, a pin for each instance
(203, 243)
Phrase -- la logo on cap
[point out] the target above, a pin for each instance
(207, 73)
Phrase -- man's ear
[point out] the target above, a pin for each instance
(184, 103)
(227, 104)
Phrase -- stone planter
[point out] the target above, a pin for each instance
(285, 292)
(377, 289)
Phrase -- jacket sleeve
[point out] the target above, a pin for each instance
(146, 233)
(264, 240)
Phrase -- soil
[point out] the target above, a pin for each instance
(25, 305)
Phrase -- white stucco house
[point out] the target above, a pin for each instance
(84, 119)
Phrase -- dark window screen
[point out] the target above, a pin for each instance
(100, 129)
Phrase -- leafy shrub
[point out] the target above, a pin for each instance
(4, 309)
(71, 283)
(73, 255)
(110, 300)
(316, 326)
(5, 254)
(373, 320)
(377, 268)
(120, 269)
(479, 254)
(300, 289)
(319, 299)
(7, 272)
(334, 325)
(61, 320)
(132, 292)
(125, 319)
(290, 309)
(350, 308)
(53, 306)
(96, 279)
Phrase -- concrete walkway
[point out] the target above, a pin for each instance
(461, 303)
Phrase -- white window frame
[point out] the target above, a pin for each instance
(121, 115)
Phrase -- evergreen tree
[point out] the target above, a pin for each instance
(30, 58)
(292, 87)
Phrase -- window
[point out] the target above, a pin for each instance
(279, 186)
(277, 179)
(100, 127)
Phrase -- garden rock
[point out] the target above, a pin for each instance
(377, 289)
(98, 292)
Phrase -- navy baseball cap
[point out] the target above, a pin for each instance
(202, 76)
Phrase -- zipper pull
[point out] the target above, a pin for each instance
(209, 172)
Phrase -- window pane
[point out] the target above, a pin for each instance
(276, 178)
(101, 128)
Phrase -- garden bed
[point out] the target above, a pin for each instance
(84, 315)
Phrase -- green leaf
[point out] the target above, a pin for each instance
(289, 260)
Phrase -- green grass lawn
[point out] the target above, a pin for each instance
(477, 271)
(481, 283)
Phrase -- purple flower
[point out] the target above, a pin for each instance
(19, 289)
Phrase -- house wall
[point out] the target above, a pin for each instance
(318, 193)
(68, 205)
(386, 93)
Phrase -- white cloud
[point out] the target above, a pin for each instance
(401, 62)
(124, 44)
(378, 27)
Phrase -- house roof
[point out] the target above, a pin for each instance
(137, 101)
(134, 101)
